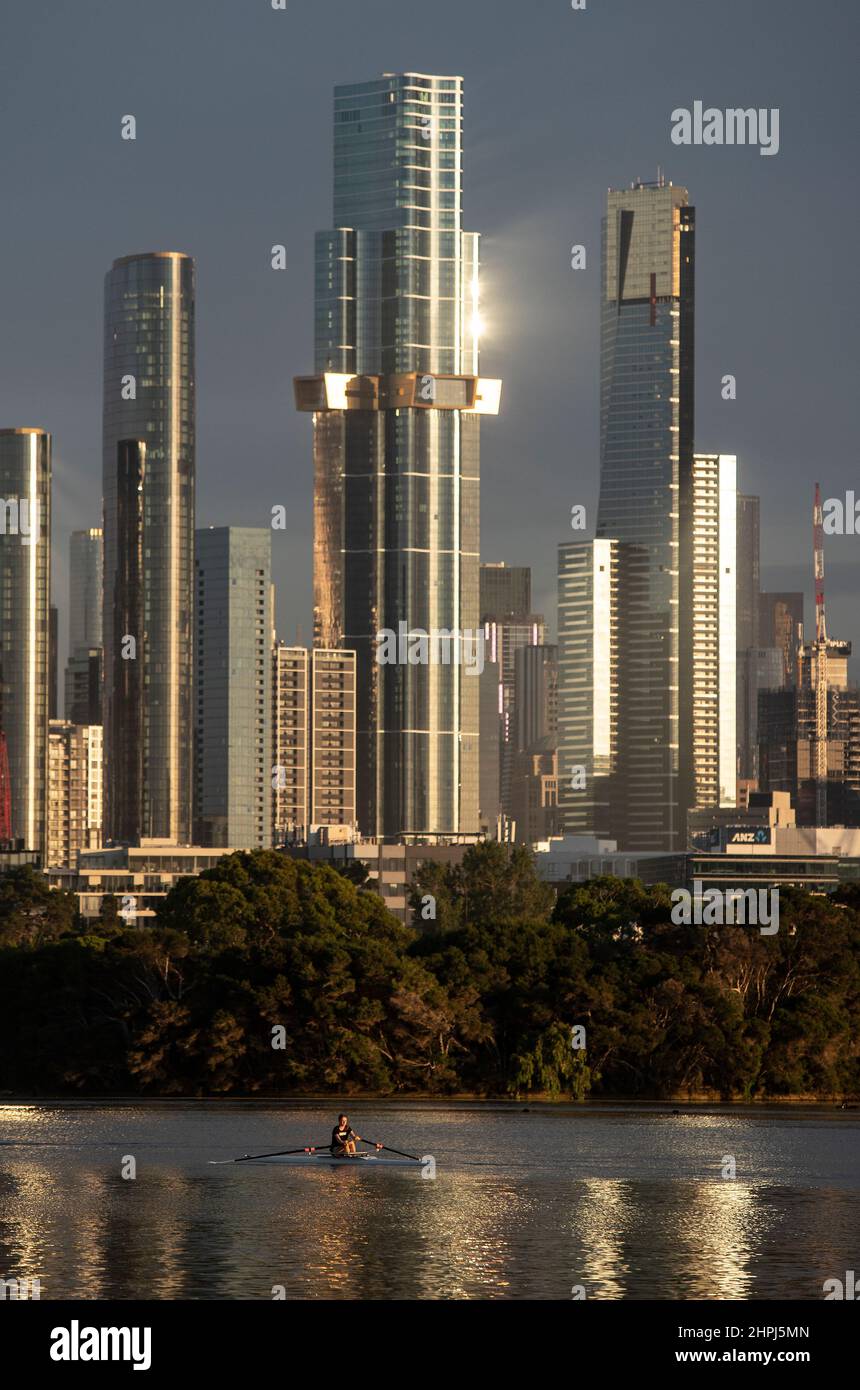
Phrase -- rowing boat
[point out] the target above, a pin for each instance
(328, 1160)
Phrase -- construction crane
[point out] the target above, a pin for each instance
(819, 664)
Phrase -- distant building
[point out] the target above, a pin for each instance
(75, 773)
(314, 741)
(591, 580)
(138, 876)
(332, 738)
(391, 868)
(25, 589)
(233, 680)
(708, 720)
(504, 589)
(290, 732)
(780, 625)
(787, 740)
(53, 661)
(84, 667)
(504, 636)
(748, 571)
(83, 693)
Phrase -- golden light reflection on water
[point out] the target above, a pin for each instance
(525, 1222)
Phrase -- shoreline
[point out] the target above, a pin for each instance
(835, 1105)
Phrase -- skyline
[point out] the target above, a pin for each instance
(542, 317)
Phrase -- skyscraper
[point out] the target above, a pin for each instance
(646, 453)
(396, 405)
(780, 625)
(589, 678)
(148, 472)
(25, 589)
(749, 568)
(505, 589)
(233, 680)
(86, 580)
(712, 755)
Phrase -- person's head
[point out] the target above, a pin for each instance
(342, 1121)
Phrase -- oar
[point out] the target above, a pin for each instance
(399, 1152)
(280, 1153)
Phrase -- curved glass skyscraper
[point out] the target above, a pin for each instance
(148, 470)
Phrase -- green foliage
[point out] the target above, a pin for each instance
(483, 999)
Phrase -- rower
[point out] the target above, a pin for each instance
(344, 1139)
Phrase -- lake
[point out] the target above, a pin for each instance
(622, 1202)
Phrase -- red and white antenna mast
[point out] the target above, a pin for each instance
(819, 667)
(818, 534)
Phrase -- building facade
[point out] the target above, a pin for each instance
(397, 402)
(233, 681)
(712, 754)
(332, 738)
(148, 486)
(75, 775)
(646, 452)
(290, 756)
(25, 597)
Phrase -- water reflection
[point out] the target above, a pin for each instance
(526, 1216)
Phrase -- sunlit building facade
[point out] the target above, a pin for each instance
(397, 402)
(25, 596)
(589, 675)
(713, 757)
(74, 791)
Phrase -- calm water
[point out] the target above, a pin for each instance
(626, 1202)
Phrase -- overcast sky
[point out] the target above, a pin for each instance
(233, 105)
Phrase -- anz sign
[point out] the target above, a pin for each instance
(747, 835)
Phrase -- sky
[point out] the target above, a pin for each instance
(233, 105)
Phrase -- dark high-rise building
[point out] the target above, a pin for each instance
(25, 589)
(505, 589)
(780, 625)
(83, 676)
(535, 694)
(148, 470)
(53, 661)
(646, 494)
(83, 686)
(749, 585)
(125, 641)
(86, 585)
(397, 402)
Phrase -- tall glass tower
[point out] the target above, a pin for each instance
(25, 595)
(396, 403)
(646, 500)
(148, 471)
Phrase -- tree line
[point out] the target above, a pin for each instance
(268, 976)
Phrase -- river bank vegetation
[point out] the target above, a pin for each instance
(269, 976)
